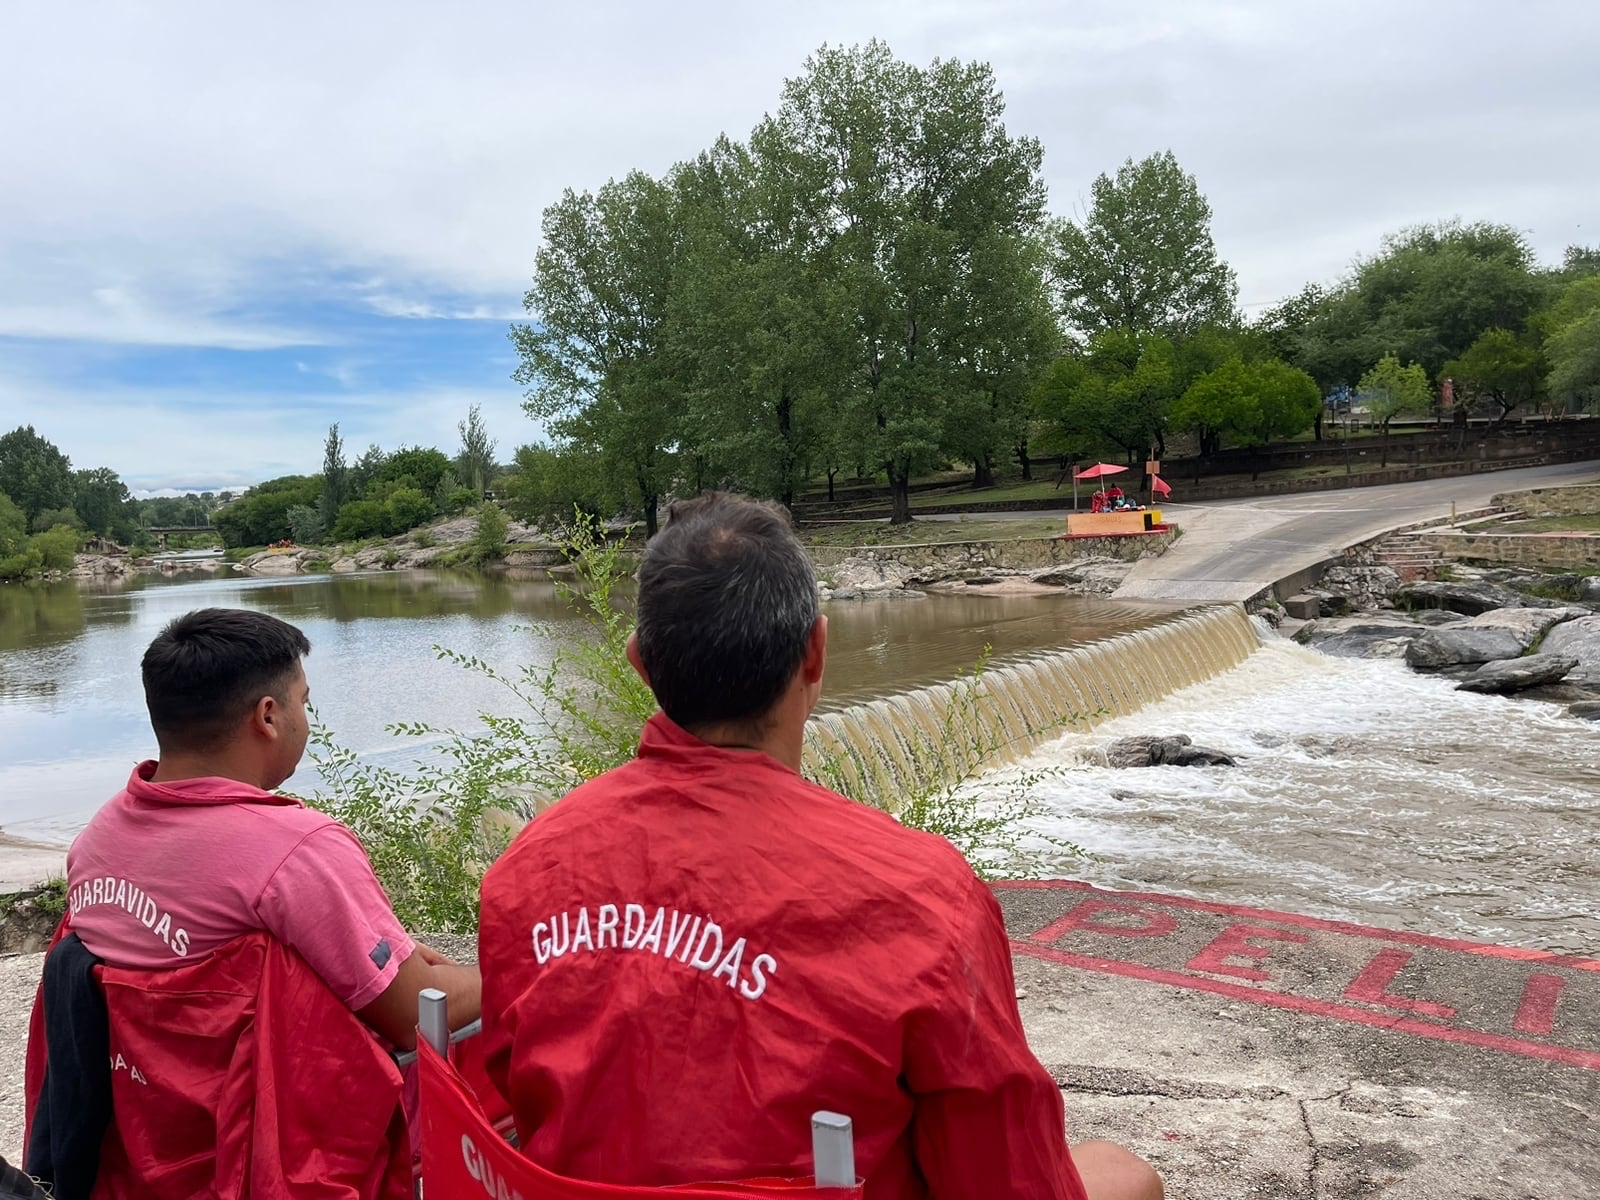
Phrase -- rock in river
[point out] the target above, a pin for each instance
(1581, 639)
(1174, 751)
(1514, 674)
(1454, 646)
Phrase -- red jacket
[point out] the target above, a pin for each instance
(242, 1077)
(686, 957)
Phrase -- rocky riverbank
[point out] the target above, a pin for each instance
(1492, 630)
(879, 575)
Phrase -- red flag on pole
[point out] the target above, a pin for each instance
(1160, 486)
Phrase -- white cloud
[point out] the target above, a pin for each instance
(192, 153)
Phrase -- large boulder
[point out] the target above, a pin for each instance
(1468, 598)
(1454, 646)
(1528, 624)
(1374, 635)
(1581, 639)
(1515, 674)
(277, 562)
(1589, 589)
(1177, 750)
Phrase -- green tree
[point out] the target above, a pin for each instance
(906, 177)
(359, 519)
(413, 466)
(595, 354)
(1144, 259)
(475, 461)
(1251, 403)
(13, 527)
(1430, 293)
(363, 471)
(262, 516)
(305, 524)
(35, 474)
(51, 518)
(1499, 370)
(101, 499)
(1390, 390)
(334, 480)
(551, 483)
(1572, 343)
(1114, 397)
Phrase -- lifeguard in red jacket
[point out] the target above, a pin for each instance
(686, 957)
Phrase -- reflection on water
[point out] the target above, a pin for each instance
(72, 720)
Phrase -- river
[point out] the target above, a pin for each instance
(1364, 791)
(72, 719)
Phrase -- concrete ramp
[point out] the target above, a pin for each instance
(1257, 1053)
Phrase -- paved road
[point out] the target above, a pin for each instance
(1232, 549)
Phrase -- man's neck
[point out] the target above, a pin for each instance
(774, 740)
(173, 768)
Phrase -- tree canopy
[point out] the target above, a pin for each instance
(1143, 259)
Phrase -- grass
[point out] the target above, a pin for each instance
(1582, 523)
(881, 533)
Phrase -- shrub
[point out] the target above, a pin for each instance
(424, 539)
(488, 542)
(58, 549)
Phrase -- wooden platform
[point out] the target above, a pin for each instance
(1114, 524)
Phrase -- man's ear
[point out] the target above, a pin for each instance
(265, 718)
(635, 660)
(816, 652)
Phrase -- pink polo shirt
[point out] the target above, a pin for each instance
(166, 873)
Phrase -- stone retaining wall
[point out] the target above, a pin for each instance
(1569, 551)
(1019, 555)
(1554, 502)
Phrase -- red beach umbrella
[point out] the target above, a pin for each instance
(1099, 470)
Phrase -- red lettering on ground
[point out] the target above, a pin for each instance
(1152, 923)
(1372, 986)
(1537, 1012)
(1234, 942)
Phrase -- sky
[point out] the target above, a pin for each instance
(223, 227)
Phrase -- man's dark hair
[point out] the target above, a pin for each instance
(727, 599)
(206, 670)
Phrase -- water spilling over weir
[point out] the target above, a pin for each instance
(874, 751)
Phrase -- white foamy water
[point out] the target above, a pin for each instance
(1364, 791)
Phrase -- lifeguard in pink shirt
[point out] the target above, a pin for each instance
(198, 849)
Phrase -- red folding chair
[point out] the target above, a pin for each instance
(464, 1155)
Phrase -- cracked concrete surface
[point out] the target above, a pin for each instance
(1232, 1100)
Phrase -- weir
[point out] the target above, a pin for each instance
(877, 751)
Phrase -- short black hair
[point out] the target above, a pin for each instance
(206, 670)
(727, 599)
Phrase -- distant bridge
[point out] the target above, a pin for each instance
(162, 532)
